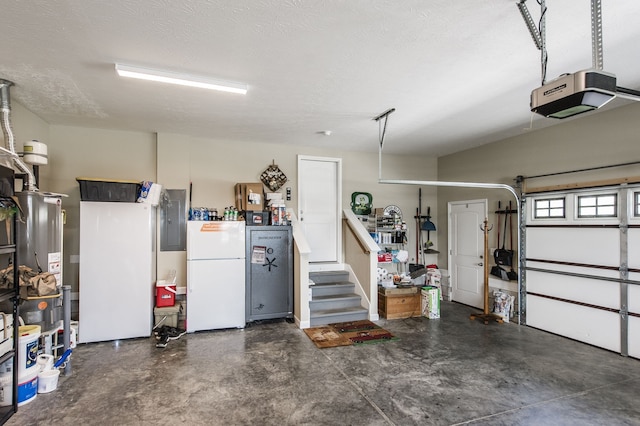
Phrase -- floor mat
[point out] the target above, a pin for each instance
(348, 333)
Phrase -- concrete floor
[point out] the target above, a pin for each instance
(441, 372)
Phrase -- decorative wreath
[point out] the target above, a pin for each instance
(273, 177)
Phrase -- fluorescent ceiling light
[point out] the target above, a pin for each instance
(181, 79)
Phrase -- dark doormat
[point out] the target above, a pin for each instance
(348, 333)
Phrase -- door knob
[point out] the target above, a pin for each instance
(480, 264)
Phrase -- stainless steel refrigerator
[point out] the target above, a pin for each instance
(117, 270)
(215, 275)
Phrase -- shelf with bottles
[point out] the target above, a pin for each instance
(388, 229)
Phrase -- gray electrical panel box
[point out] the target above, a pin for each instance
(269, 273)
(173, 221)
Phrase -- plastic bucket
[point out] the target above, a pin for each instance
(45, 362)
(48, 380)
(28, 387)
(6, 389)
(28, 349)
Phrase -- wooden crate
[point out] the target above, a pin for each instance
(394, 306)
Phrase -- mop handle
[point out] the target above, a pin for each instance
(63, 358)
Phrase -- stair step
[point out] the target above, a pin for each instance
(331, 316)
(323, 277)
(334, 301)
(337, 288)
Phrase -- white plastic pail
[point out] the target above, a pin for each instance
(28, 387)
(28, 349)
(48, 380)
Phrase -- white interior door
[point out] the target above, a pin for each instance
(319, 206)
(466, 251)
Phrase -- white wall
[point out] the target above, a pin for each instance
(213, 166)
(592, 140)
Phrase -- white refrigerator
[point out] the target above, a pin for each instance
(215, 275)
(117, 270)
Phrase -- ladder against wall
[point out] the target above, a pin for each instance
(582, 254)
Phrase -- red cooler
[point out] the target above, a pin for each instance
(165, 294)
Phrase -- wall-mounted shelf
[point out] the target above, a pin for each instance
(390, 233)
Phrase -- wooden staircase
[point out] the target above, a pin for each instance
(333, 299)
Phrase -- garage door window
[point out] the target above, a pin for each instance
(636, 204)
(604, 205)
(549, 208)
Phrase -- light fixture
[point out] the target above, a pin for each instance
(181, 79)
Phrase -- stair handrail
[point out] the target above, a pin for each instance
(298, 233)
(364, 238)
(301, 253)
(367, 277)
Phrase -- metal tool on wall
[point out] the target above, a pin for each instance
(502, 256)
(429, 226)
(496, 270)
(419, 258)
(423, 223)
(512, 274)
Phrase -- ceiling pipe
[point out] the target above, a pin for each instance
(9, 139)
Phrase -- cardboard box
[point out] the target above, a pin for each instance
(397, 290)
(394, 306)
(430, 302)
(249, 196)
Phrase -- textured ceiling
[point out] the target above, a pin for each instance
(459, 73)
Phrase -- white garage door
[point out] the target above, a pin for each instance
(582, 276)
